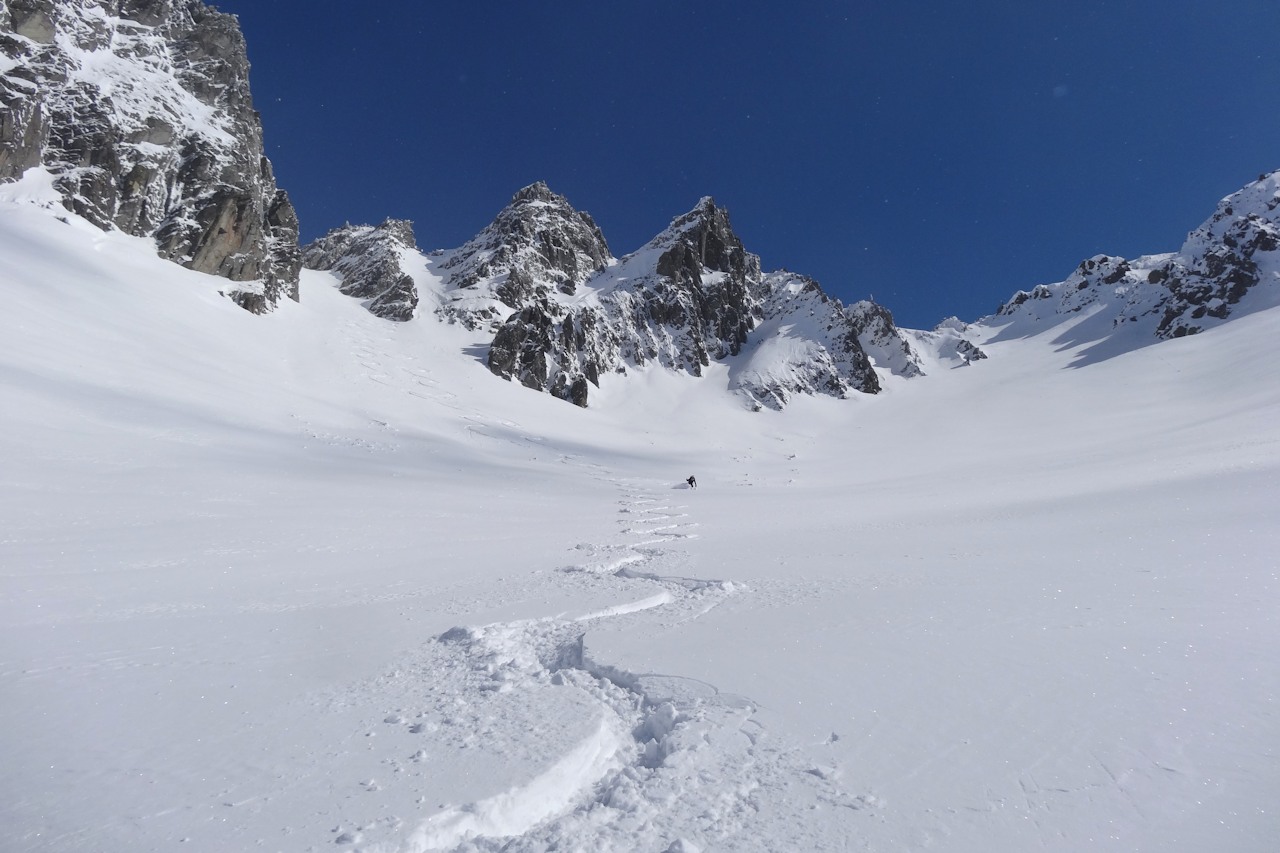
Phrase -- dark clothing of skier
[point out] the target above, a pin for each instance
(693, 483)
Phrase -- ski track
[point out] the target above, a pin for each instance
(662, 763)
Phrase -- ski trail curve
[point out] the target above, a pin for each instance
(658, 762)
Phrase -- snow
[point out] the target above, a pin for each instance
(137, 75)
(315, 580)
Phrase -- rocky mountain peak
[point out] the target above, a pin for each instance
(704, 236)
(804, 345)
(371, 260)
(537, 191)
(536, 246)
(690, 296)
(1249, 212)
(539, 233)
(881, 339)
(141, 110)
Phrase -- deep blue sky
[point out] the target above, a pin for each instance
(939, 155)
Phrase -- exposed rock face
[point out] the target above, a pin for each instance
(705, 288)
(371, 261)
(537, 245)
(691, 296)
(548, 348)
(141, 110)
(1236, 251)
(969, 351)
(881, 339)
(806, 344)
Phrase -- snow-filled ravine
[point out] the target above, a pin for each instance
(316, 580)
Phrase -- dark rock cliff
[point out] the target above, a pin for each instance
(690, 295)
(1234, 251)
(141, 111)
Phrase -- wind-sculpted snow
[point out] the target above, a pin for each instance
(948, 343)
(143, 114)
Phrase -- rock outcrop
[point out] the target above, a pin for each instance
(141, 111)
(882, 340)
(1229, 255)
(691, 296)
(1235, 253)
(371, 261)
(538, 245)
(806, 344)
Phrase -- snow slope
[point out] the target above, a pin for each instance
(317, 580)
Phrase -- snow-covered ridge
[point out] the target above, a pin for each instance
(806, 344)
(142, 114)
(564, 313)
(1227, 267)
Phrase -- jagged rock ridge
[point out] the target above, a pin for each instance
(1221, 262)
(880, 336)
(371, 262)
(808, 343)
(691, 296)
(141, 110)
(564, 312)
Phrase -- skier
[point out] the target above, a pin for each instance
(692, 481)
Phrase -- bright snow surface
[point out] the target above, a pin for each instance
(316, 580)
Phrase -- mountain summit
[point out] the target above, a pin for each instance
(563, 312)
(536, 246)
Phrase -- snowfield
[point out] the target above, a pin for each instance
(316, 580)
